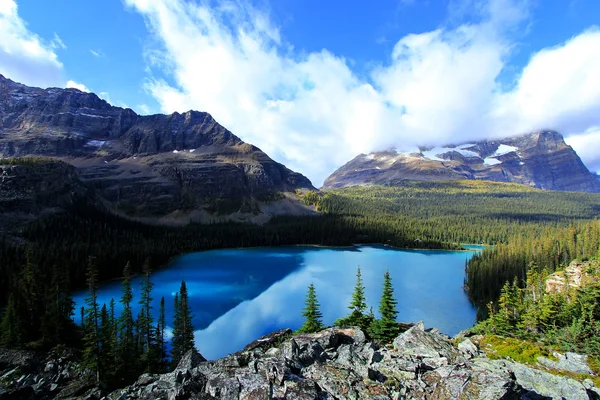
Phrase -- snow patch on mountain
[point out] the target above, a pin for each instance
(504, 149)
(436, 152)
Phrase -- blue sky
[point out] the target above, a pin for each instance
(315, 83)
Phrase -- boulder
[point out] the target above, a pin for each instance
(191, 359)
(467, 348)
(418, 343)
(270, 340)
(548, 385)
(572, 362)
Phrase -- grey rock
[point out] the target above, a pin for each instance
(588, 383)
(268, 341)
(418, 343)
(191, 359)
(223, 386)
(572, 362)
(300, 390)
(546, 384)
(467, 348)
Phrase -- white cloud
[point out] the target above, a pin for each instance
(57, 42)
(313, 113)
(586, 145)
(97, 53)
(143, 109)
(76, 85)
(24, 56)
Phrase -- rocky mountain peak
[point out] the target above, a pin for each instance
(539, 159)
(149, 165)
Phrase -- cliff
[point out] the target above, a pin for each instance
(184, 166)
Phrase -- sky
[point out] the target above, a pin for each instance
(314, 83)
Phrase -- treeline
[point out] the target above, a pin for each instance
(567, 317)
(438, 215)
(462, 211)
(115, 349)
(69, 238)
(551, 249)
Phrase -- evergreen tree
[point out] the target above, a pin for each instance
(161, 348)
(57, 323)
(358, 306)
(145, 321)
(33, 296)
(107, 347)
(183, 331)
(311, 313)
(12, 327)
(386, 329)
(127, 356)
(91, 340)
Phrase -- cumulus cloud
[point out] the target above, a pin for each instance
(76, 85)
(313, 113)
(24, 56)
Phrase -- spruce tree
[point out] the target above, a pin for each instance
(386, 329)
(107, 346)
(161, 348)
(183, 331)
(145, 321)
(57, 323)
(12, 326)
(359, 302)
(127, 356)
(91, 340)
(311, 312)
(358, 306)
(33, 288)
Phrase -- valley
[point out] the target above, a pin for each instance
(93, 197)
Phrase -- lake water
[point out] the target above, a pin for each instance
(238, 295)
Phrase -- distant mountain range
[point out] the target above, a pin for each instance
(184, 166)
(540, 159)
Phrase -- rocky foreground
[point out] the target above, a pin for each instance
(332, 364)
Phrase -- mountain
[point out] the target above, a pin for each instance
(178, 166)
(540, 159)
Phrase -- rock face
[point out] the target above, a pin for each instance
(143, 166)
(342, 364)
(335, 363)
(30, 188)
(541, 159)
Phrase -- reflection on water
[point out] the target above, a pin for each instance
(239, 295)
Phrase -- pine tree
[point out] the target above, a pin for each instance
(91, 340)
(33, 296)
(107, 346)
(386, 329)
(161, 348)
(12, 326)
(358, 306)
(311, 312)
(127, 356)
(57, 323)
(183, 331)
(145, 321)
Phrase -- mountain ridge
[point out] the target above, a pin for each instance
(539, 159)
(178, 166)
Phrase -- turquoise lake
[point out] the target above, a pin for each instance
(238, 295)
